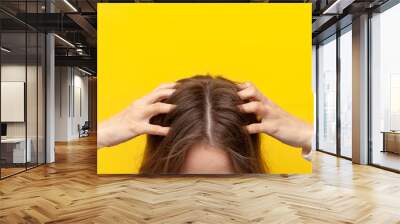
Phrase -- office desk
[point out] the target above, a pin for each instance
(391, 141)
(13, 150)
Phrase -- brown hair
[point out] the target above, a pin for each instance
(206, 112)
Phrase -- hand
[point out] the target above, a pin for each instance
(134, 120)
(274, 120)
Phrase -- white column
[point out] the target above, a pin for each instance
(50, 99)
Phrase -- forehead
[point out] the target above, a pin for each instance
(206, 159)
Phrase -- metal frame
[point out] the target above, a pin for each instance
(369, 77)
(338, 98)
(316, 98)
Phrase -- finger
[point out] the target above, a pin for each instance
(156, 130)
(254, 128)
(169, 85)
(250, 93)
(159, 108)
(157, 95)
(244, 85)
(255, 107)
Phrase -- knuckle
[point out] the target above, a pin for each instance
(168, 91)
(159, 106)
(259, 107)
(253, 90)
(162, 85)
(256, 128)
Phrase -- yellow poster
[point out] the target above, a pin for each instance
(143, 45)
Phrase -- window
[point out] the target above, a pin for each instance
(327, 95)
(385, 89)
(346, 93)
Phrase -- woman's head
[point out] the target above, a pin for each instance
(207, 133)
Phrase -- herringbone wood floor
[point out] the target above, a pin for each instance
(69, 191)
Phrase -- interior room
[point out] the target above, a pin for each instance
(48, 150)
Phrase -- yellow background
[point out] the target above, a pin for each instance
(143, 45)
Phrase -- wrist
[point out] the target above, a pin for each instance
(306, 135)
(123, 122)
(114, 131)
(127, 128)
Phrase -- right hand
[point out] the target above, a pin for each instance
(135, 119)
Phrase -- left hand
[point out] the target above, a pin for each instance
(275, 121)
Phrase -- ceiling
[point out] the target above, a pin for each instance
(76, 22)
(72, 20)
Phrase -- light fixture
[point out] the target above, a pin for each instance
(70, 5)
(84, 71)
(65, 41)
(337, 7)
(5, 50)
(79, 51)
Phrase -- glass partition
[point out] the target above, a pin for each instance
(22, 77)
(14, 153)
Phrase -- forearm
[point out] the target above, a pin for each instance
(296, 133)
(113, 131)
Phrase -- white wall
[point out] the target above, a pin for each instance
(62, 81)
(70, 83)
(80, 83)
(33, 127)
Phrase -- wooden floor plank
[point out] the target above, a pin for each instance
(70, 191)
